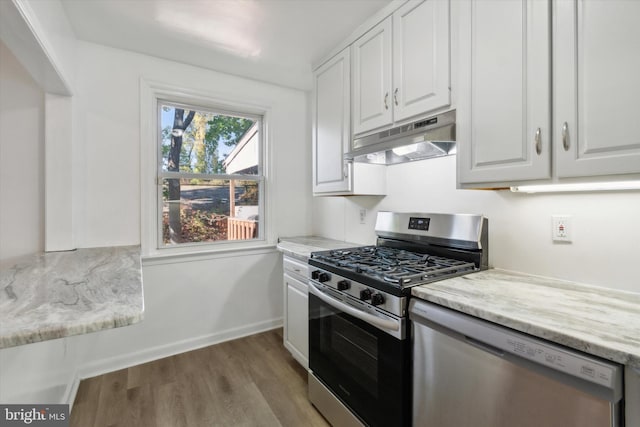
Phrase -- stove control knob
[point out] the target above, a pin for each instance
(343, 285)
(315, 274)
(365, 294)
(377, 299)
(323, 277)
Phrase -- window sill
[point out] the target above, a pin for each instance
(172, 256)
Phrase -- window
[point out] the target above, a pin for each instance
(210, 177)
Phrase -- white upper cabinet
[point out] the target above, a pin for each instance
(420, 58)
(331, 136)
(331, 130)
(503, 113)
(508, 91)
(372, 79)
(596, 87)
(401, 66)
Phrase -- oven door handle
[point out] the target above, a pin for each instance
(369, 318)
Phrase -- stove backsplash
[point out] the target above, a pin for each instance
(606, 232)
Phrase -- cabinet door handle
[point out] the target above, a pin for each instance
(565, 136)
(538, 140)
(395, 96)
(345, 170)
(386, 97)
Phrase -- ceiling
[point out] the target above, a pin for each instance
(269, 40)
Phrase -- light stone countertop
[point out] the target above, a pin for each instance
(301, 247)
(58, 294)
(599, 321)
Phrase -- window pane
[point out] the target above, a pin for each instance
(198, 141)
(196, 210)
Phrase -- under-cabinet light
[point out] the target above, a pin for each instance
(405, 149)
(584, 186)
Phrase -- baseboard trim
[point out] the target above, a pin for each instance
(72, 389)
(111, 364)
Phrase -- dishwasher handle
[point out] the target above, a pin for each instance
(484, 346)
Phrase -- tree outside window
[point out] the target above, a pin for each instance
(209, 175)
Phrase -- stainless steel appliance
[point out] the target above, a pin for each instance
(423, 139)
(502, 378)
(359, 336)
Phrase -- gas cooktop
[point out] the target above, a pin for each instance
(392, 267)
(412, 249)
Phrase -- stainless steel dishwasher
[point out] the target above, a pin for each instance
(473, 373)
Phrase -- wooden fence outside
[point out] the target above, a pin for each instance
(241, 229)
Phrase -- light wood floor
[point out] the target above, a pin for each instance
(252, 381)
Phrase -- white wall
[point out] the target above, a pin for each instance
(107, 129)
(21, 160)
(188, 303)
(39, 372)
(606, 227)
(49, 21)
(192, 304)
(42, 372)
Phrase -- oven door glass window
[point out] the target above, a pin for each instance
(366, 368)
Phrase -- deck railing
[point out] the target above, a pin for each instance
(241, 229)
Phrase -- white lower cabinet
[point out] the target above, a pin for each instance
(296, 310)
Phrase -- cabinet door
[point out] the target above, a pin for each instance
(420, 58)
(596, 87)
(372, 103)
(296, 320)
(331, 130)
(503, 114)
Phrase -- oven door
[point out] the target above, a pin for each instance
(368, 369)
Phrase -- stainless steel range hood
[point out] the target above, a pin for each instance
(424, 139)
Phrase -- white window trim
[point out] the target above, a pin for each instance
(150, 93)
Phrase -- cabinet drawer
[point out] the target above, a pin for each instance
(295, 267)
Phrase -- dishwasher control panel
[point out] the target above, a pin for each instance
(556, 358)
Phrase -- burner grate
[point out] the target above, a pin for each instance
(395, 266)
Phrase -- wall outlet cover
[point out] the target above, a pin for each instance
(363, 216)
(561, 228)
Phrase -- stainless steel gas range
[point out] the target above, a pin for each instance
(359, 333)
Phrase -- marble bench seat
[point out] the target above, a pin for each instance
(58, 294)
